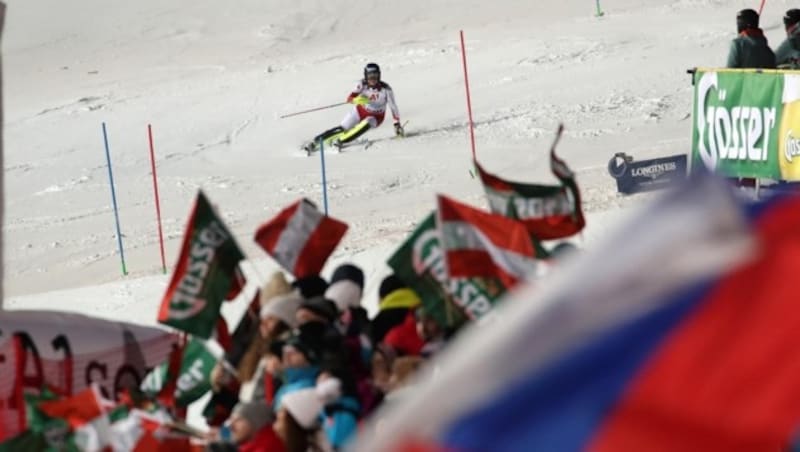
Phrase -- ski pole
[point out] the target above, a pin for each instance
(312, 110)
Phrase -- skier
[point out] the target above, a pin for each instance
(369, 100)
(788, 53)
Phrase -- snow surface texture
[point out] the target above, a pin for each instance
(214, 77)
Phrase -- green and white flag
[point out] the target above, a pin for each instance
(193, 377)
(204, 273)
(420, 263)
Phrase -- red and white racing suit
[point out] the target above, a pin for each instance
(379, 96)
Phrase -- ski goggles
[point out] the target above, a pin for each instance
(373, 75)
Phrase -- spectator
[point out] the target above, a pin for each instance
(396, 301)
(298, 420)
(301, 359)
(277, 320)
(787, 56)
(750, 48)
(340, 416)
(251, 428)
(431, 332)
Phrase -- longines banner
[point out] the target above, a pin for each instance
(747, 123)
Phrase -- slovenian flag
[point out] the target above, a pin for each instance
(680, 333)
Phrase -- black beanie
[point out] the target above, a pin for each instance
(311, 286)
(322, 307)
(745, 19)
(389, 285)
(791, 17)
(348, 272)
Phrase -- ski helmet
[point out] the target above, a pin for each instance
(746, 18)
(372, 68)
(792, 17)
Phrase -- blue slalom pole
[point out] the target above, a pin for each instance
(114, 201)
(324, 181)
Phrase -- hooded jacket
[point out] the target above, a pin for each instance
(750, 50)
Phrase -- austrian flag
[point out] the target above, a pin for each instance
(481, 244)
(301, 238)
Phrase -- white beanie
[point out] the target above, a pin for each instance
(345, 293)
(283, 307)
(305, 405)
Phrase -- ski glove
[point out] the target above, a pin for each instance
(398, 130)
(360, 100)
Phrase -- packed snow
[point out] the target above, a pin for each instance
(213, 78)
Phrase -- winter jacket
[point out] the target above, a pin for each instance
(393, 309)
(265, 440)
(404, 337)
(788, 53)
(295, 378)
(750, 50)
(340, 421)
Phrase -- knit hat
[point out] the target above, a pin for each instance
(746, 18)
(390, 284)
(320, 306)
(258, 414)
(283, 307)
(305, 405)
(791, 17)
(308, 342)
(347, 285)
(311, 286)
(276, 285)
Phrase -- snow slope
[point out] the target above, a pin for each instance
(213, 77)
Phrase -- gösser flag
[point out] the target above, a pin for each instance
(547, 211)
(481, 244)
(300, 238)
(204, 273)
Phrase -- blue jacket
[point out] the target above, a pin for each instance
(294, 379)
(340, 421)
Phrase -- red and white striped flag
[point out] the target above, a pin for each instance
(482, 244)
(301, 238)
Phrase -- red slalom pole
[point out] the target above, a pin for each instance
(158, 203)
(761, 8)
(469, 102)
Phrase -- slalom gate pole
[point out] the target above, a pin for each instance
(311, 110)
(761, 8)
(469, 102)
(599, 10)
(155, 193)
(324, 180)
(114, 201)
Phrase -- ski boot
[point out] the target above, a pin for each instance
(310, 147)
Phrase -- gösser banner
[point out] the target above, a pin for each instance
(747, 123)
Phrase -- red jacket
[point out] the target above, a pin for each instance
(404, 337)
(265, 440)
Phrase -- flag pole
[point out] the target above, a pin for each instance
(114, 201)
(324, 180)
